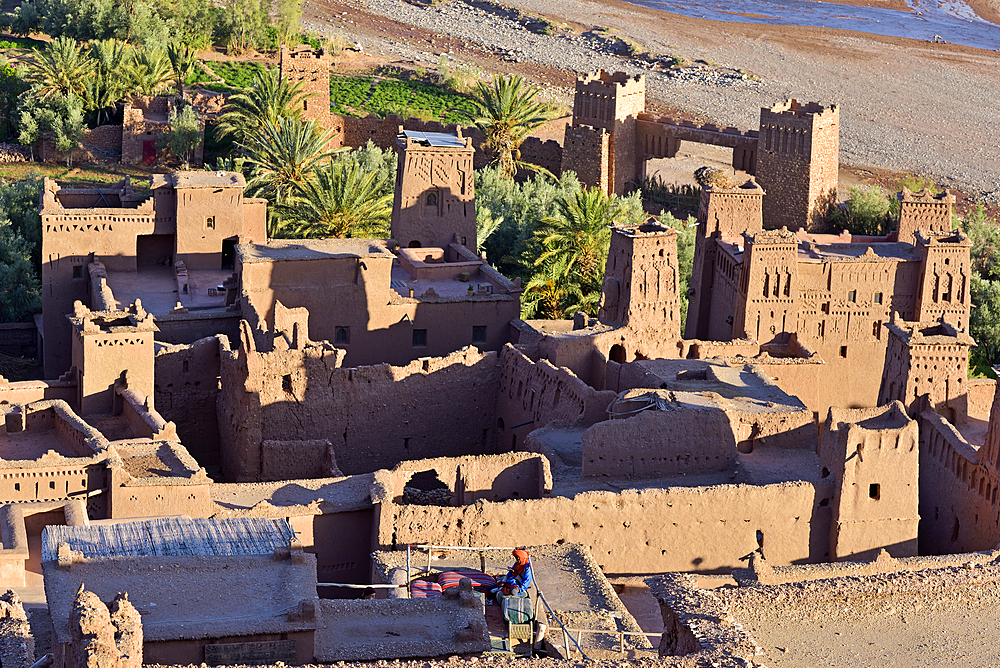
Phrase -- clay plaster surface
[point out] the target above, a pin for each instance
(280, 499)
(223, 596)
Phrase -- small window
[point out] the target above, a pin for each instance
(420, 338)
(17, 487)
(843, 351)
(77, 271)
(479, 334)
(52, 484)
(877, 298)
(341, 336)
(432, 199)
(852, 296)
(286, 383)
(184, 366)
(305, 105)
(874, 491)
(209, 222)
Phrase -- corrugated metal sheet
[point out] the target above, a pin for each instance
(170, 536)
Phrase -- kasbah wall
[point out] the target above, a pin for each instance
(374, 416)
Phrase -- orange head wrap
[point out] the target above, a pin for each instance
(522, 558)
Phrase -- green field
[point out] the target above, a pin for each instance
(390, 93)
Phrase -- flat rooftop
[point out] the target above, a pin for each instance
(155, 459)
(278, 499)
(402, 281)
(281, 250)
(735, 382)
(157, 288)
(198, 179)
(436, 139)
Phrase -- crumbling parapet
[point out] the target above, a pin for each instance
(103, 637)
(17, 644)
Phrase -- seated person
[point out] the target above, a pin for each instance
(519, 577)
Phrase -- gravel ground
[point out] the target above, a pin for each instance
(906, 105)
(928, 618)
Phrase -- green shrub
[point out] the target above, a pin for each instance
(867, 212)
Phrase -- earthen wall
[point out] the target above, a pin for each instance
(377, 415)
(650, 530)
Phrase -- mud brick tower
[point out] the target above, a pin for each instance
(927, 359)
(797, 160)
(923, 211)
(723, 216)
(608, 102)
(767, 305)
(312, 69)
(435, 203)
(641, 280)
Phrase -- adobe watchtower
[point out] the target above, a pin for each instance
(944, 277)
(768, 288)
(925, 211)
(724, 214)
(927, 359)
(641, 280)
(312, 69)
(797, 163)
(609, 102)
(109, 346)
(435, 203)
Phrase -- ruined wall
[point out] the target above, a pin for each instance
(511, 475)
(532, 394)
(689, 440)
(17, 643)
(103, 638)
(186, 389)
(546, 154)
(650, 530)
(375, 416)
(958, 492)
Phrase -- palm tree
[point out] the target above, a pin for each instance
(107, 85)
(341, 200)
(148, 71)
(579, 233)
(506, 112)
(183, 61)
(62, 68)
(267, 98)
(551, 294)
(284, 154)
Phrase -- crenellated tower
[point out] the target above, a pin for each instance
(923, 211)
(435, 202)
(311, 69)
(797, 163)
(767, 310)
(612, 103)
(944, 277)
(641, 280)
(724, 215)
(927, 359)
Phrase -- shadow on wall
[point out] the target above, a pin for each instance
(378, 416)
